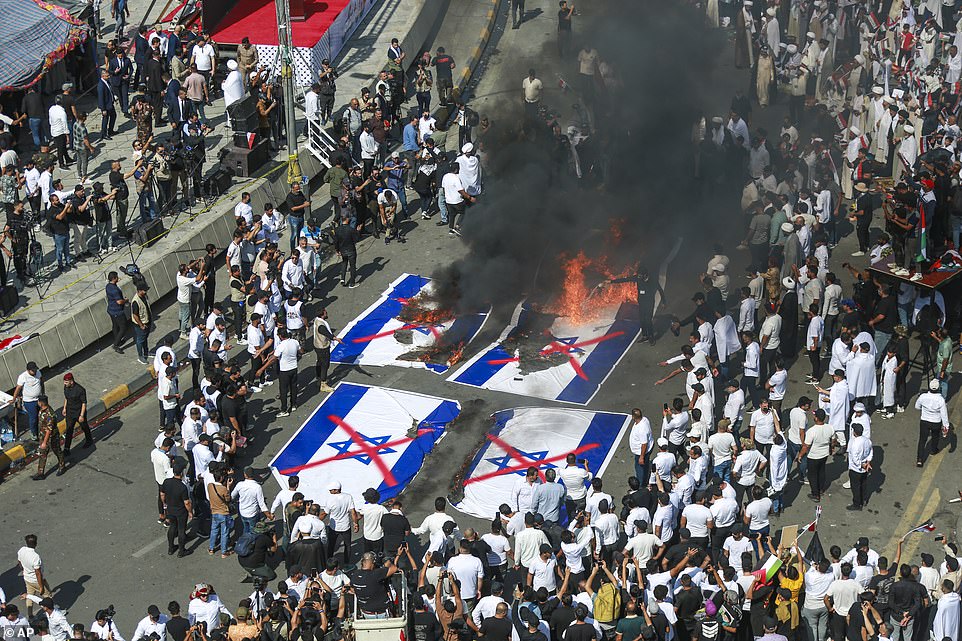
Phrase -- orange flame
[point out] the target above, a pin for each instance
(580, 304)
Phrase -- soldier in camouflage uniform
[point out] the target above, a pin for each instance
(49, 440)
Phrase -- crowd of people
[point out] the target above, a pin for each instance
(684, 548)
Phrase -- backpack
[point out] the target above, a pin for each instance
(607, 603)
(245, 544)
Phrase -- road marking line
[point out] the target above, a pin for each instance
(909, 549)
(910, 518)
(147, 548)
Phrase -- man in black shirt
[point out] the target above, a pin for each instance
(863, 616)
(345, 244)
(562, 617)
(425, 623)
(862, 216)
(265, 542)
(396, 527)
(688, 601)
(118, 184)
(32, 107)
(498, 627)
(370, 586)
(443, 64)
(60, 228)
(297, 205)
(564, 28)
(580, 630)
(177, 626)
(906, 603)
(74, 411)
(883, 321)
(177, 508)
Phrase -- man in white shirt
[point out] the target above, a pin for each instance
(776, 386)
(574, 479)
(204, 58)
(522, 495)
(543, 572)
(311, 525)
(292, 273)
(371, 513)
(933, 418)
(674, 426)
(722, 447)
(469, 571)
(762, 426)
(640, 442)
(455, 198)
(285, 354)
(343, 518)
(698, 518)
(244, 210)
(59, 130)
(859, 465)
(643, 545)
(153, 623)
(736, 545)
(527, 544)
(250, 500)
(105, 628)
(27, 392)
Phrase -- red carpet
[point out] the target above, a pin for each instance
(257, 20)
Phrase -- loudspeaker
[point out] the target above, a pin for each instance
(244, 162)
(149, 233)
(9, 299)
(243, 115)
(218, 182)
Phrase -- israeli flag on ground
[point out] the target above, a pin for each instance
(541, 437)
(364, 436)
(369, 339)
(592, 351)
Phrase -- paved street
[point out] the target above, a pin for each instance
(99, 536)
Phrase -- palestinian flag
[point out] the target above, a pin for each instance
(768, 569)
(923, 255)
(928, 526)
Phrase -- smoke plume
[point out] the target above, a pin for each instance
(533, 211)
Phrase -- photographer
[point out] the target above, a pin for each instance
(60, 228)
(370, 586)
(308, 622)
(80, 221)
(104, 626)
(101, 202)
(159, 161)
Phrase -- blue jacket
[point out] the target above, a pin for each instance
(410, 137)
(105, 96)
(173, 46)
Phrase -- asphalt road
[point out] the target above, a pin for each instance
(99, 537)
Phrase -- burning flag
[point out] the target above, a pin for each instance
(545, 355)
(408, 327)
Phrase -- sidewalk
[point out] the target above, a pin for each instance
(111, 379)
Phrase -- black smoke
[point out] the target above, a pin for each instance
(532, 213)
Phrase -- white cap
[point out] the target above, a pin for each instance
(232, 64)
(859, 407)
(855, 131)
(909, 129)
(662, 442)
(770, 12)
(718, 268)
(334, 485)
(748, 3)
(788, 282)
(878, 91)
(717, 120)
(792, 48)
(934, 385)
(810, 34)
(859, 58)
(467, 148)
(788, 228)
(888, 100)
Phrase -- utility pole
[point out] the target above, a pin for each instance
(285, 41)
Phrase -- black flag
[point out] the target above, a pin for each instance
(814, 552)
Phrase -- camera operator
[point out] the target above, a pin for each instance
(80, 221)
(17, 232)
(194, 147)
(309, 622)
(104, 626)
(159, 160)
(101, 202)
(370, 586)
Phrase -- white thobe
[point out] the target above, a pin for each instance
(953, 68)
(726, 337)
(889, 363)
(838, 406)
(946, 623)
(470, 174)
(860, 374)
(233, 87)
(841, 355)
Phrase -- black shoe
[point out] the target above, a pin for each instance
(814, 497)
(87, 444)
(61, 471)
(853, 508)
(66, 452)
(37, 477)
(170, 551)
(182, 554)
(117, 349)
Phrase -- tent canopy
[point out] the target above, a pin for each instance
(33, 36)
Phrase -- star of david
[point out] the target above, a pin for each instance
(506, 461)
(344, 447)
(571, 340)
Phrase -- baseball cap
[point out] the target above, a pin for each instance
(334, 485)
(153, 610)
(662, 442)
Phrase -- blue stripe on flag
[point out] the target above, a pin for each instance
(482, 370)
(603, 358)
(410, 461)
(603, 430)
(318, 428)
(347, 351)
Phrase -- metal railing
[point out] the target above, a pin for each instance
(319, 142)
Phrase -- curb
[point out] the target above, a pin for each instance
(479, 49)
(17, 455)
